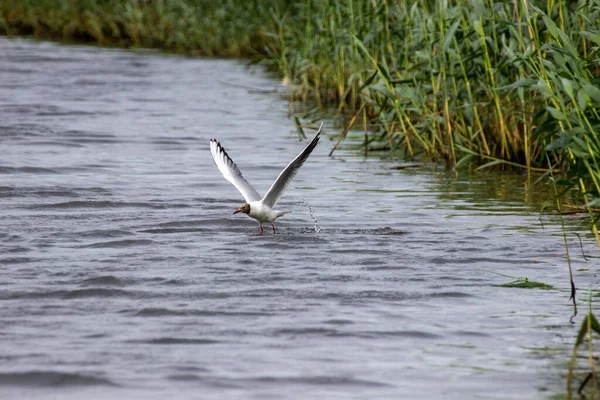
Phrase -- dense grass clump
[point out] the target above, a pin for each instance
(202, 27)
(495, 82)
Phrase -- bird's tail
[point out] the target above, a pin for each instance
(280, 213)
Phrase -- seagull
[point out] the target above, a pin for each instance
(261, 209)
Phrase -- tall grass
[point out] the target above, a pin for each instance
(511, 82)
(498, 82)
(588, 375)
(203, 27)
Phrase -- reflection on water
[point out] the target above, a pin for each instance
(126, 275)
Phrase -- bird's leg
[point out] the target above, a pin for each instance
(273, 227)
(261, 229)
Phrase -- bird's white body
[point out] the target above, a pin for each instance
(261, 209)
(263, 213)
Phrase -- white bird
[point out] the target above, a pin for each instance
(256, 207)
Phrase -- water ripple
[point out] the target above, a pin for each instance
(115, 244)
(175, 340)
(103, 204)
(52, 379)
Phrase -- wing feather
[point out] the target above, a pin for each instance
(286, 176)
(231, 172)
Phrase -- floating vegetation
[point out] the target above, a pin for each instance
(523, 283)
(526, 284)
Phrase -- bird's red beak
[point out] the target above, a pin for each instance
(236, 211)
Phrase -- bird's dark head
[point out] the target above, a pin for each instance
(245, 208)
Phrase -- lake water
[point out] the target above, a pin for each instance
(125, 274)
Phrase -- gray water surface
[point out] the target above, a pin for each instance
(124, 273)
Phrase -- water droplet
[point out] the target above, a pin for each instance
(312, 215)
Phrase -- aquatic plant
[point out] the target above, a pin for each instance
(589, 384)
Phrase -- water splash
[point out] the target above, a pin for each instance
(312, 215)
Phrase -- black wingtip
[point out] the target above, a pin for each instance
(219, 146)
(320, 128)
(221, 150)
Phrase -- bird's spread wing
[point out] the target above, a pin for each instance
(231, 172)
(284, 178)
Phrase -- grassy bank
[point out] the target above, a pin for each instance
(492, 82)
(202, 27)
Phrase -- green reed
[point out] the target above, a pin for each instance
(497, 82)
(588, 388)
(510, 82)
(203, 27)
